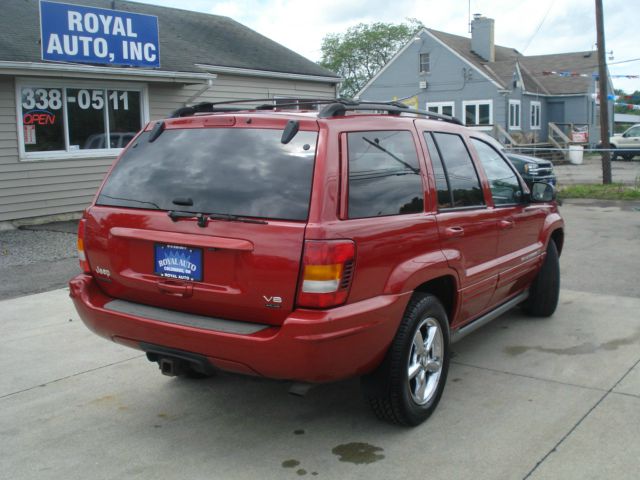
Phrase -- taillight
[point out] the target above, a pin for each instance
(327, 269)
(82, 257)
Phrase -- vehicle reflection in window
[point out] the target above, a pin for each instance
(384, 174)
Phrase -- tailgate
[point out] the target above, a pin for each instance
(206, 220)
(229, 270)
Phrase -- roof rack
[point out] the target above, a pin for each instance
(339, 108)
(334, 107)
(231, 105)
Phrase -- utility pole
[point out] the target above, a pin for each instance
(604, 94)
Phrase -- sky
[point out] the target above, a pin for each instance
(533, 27)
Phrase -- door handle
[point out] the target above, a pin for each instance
(506, 224)
(451, 232)
(175, 287)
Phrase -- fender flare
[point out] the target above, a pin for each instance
(410, 274)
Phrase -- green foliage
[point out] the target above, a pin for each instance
(627, 98)
(361, 51)
(614, 191)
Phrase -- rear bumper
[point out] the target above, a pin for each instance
(311, 345)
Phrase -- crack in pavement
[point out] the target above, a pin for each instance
(549, 380)
(68, 376)
(568, 434)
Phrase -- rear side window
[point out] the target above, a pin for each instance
(460, 174)
(384, 174)
(442, 184)
(238, 171)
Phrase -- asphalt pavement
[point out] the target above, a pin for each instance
(37, 258)
(526, 398)
(590, 171)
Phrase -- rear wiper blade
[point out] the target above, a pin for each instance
(235, 218)
(202, 218)
(177, 214)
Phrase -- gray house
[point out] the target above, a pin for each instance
(517, 98)
(122, 64)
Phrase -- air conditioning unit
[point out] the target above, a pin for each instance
(422, 84)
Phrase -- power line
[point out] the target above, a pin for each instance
(624, 61)
(539, 27)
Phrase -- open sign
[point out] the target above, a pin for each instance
(38, 118)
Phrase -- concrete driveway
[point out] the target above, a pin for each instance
(526, 398)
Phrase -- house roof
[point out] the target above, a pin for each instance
(186, 39)
(462, 46)
(532, 68)
(575, 62)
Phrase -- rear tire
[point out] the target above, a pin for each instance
(545, 289)
(406, 388)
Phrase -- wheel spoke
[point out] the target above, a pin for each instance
(431, 335)
(421, 383)
(418, 342)
(414, 369)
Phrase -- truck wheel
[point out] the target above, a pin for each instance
(545, 289)
(614, 153)
(407, 386)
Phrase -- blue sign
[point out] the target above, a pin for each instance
(74, 33)
(176, 261)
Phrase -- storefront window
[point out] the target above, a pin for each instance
(70, 119)
(42, 119)
(85, 109)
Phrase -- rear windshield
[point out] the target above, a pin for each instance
(237, 171)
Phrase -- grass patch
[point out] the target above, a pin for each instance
(614, 191)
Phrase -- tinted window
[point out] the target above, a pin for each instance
(442, 185)
(238, 171)
(384, 175)
(460, 171)
(505, 188)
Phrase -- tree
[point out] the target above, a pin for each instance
(626, 101)
(359, 53)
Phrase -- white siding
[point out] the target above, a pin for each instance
(49, 187)
(38, 188)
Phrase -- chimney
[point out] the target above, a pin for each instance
(482, 37)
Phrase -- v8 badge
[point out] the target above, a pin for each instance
(272, 302)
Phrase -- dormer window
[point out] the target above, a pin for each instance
(424, 63)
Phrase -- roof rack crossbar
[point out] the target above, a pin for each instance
(338, 109)
(261, 104)
(334, 107)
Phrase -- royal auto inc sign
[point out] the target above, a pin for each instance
(78, 34)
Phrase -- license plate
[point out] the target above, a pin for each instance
(176, 261)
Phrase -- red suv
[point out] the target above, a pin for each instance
(357, 240)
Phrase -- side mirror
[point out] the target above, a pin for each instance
(542, 192)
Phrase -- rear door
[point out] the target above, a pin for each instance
(519, 223)
(466, 226)
(242, 264)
